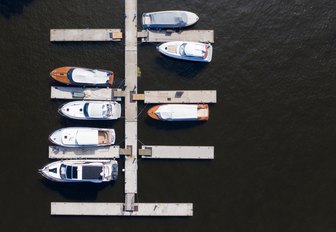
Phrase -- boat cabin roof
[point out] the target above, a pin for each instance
(97, 110)
(169, 18)
(167, 112)
(91, 76)
(81, 137)
(197, 50)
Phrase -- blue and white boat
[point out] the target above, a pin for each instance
(168, 19)
(184, 50)
(94, 171)
(91, 110)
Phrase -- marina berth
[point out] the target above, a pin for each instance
(184, 50)
(91, 110)
(179, 112)
(83, 76)
(83, 137)
(168, 19)
(95, 171)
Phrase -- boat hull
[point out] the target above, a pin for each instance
(65, 76)
(91, 110)
(179, 112)
(168, 19)
(83, 137)
(176, 49)
(94, 171)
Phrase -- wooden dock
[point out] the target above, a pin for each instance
(177, 152)
(62, 35)
(59, 152)
(205, 36)
(181, 96)
(118, 209)
(80, 93)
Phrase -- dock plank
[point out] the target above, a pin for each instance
(61, 35)
(80, 93)
(59, 152)
(117, 209)
(179, 152)
(183, 35)
(181, 96)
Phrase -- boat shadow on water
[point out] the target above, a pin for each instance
(176, 125)
(9, 8)
(184, 69)
(77, 191)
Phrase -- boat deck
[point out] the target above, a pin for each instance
(61, 35)
(205, 36)
(177, 152)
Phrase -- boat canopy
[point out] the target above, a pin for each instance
(169, 18)
(167, 112)
(81, 75)
(87, 137)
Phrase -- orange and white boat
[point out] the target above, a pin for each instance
(180, 112)
(83, 76)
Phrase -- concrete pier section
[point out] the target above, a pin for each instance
(62, 35)
(181, 96)
(81, 93)
(59, 152)
(131, 107)
(176, 152)
(118, 209)
(205, 36)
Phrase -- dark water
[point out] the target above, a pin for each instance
(273, 127)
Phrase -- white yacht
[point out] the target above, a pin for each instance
(168, 19)
(184, 50)
(91, 110)
(83, 137)
(180, 112)
(95, 171)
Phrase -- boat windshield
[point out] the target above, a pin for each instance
(68, 172)
(182, 49)
(69, 74)
(85, 110)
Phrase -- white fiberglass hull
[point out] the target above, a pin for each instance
(95, 171)
(184, 50)
(83, 137)
(168, 19)
(91, 110)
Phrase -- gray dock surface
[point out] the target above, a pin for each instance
(131, 107)
(183, 35)
(59, 152)
(117, 209)
(178, 152)
(61, 35)
(181, 96)
(80, 93)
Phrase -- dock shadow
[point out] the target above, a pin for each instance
(184, 69)
(9, 8)
(77, 191)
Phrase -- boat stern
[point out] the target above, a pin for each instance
(151, 112)
(111, 78)
(208, 56)
(145, 20)
(61, 74)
